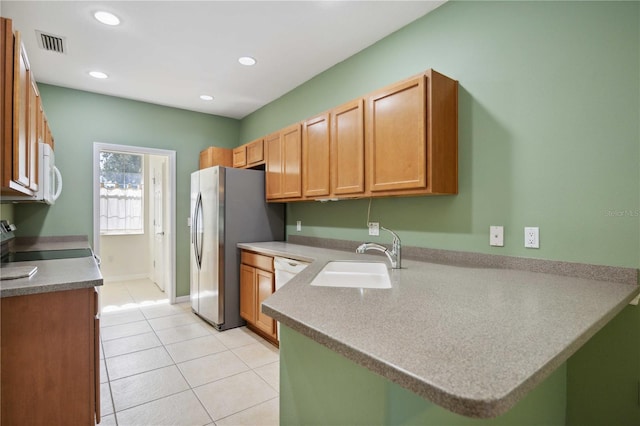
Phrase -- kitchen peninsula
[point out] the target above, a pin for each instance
(475, 340)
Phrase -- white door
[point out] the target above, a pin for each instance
(159, 263)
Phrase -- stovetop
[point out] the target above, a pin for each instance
(8, 255)
(28, 256)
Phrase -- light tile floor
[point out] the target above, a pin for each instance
(161, 364)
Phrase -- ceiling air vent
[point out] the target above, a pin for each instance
(51, 42)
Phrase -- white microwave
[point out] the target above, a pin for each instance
(49, 179)
(50, 185)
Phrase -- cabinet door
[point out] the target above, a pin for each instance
(6, 98)
(240, 156)
(95, 309)
(273, 147)
(292, 162)
(248, 293)
(396, 137)
(255, 152)
(347, 148)
(32, 134)
(21, 84)
(315, 152)
(264, 285)
(48, 359)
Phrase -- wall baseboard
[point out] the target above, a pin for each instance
(119, 278)
(183, 299)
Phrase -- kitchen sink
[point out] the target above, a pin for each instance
(353, 274)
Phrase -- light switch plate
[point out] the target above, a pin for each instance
(298, 225)
(496, 236)
(374, 228)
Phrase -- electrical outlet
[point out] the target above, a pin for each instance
(299, 225)
(374, 228)
(531, 237)
(496, 236)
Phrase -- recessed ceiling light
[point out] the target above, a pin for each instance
(107, 18)
(98, 74)
(247, 60)
(206, 97)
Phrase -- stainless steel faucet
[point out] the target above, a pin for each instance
(395, 257)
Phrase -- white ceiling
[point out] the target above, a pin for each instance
(171, 52)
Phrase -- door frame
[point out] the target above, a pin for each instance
(170, 287)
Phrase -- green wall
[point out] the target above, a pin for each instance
(549, 136)
(320, 387)
(78, 119)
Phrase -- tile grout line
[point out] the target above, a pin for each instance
(185, 379)
(176, 364)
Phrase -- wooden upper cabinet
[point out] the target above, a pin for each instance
(274, 165)
(240, 156)
(283, 164)
(315, 157)
(21, 85)
(347, 149)
(32, 133)
(396, 131)
(255, 153)
(399, 140)
(215, 156)
(442, 133)
(22, 120)
(412, 137)
(249, 155)
(292, 162)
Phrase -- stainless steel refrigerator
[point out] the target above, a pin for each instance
(227, 207)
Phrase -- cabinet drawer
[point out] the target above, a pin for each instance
(240, 156)
(257, 260)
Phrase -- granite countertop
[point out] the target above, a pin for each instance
(474, 340)
(52, 275)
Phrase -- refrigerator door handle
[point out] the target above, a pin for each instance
(199, 231)
(194, 230)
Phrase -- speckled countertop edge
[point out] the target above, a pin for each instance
(482, 408)
(53, 275)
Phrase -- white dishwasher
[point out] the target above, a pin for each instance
(286, 269)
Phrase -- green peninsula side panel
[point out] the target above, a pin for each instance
(320, 387)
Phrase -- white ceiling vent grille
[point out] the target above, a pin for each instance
(51, 42)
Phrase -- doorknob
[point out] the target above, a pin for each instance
(160, 233)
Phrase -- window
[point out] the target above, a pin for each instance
(121, 193)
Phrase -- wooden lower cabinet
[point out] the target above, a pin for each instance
(256, 284)
(50, 358)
